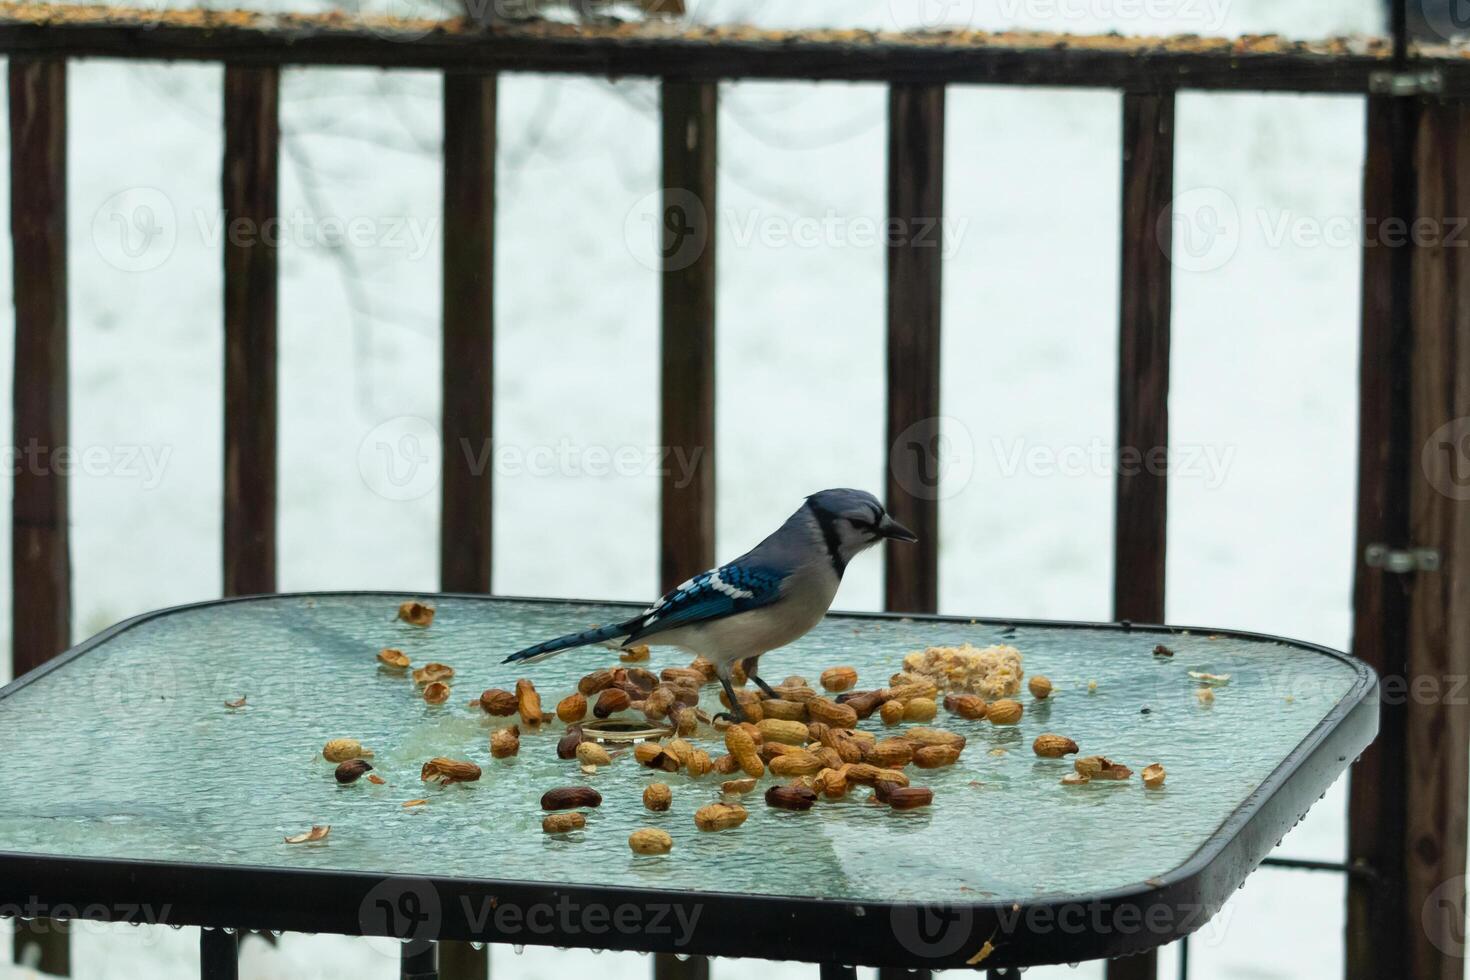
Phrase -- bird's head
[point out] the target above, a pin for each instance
(852, 521)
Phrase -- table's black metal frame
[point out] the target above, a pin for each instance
(833, 932)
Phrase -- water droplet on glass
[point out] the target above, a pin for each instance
(229, 930)
(682, 957)
(1074, 965)
(276, 933)
(477, 946)
(518, 949)
(175, 926)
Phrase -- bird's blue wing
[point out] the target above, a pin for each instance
(710, 595)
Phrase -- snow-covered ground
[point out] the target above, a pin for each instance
(1263, 392)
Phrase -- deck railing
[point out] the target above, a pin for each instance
(1407, 831)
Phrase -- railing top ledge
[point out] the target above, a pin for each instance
(674, 49)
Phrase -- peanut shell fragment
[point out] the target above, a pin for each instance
(794, 797)
(396, 659)
(836, 679)
(562, 823)
(352, 770)
(720, 816)
(570, 798)
(657, 797)
(1004, 712)
(572, 708)
(593, 754)
(342, 749)
(650, 840)
(910, 797)
(447, 772)
(312, 836)
(1053, 746)
(416, 613)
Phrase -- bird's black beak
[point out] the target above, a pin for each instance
(889, 528)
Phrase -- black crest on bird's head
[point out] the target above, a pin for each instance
(852, 521)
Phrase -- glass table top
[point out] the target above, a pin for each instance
(142, 759)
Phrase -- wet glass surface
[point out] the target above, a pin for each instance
(143, 760)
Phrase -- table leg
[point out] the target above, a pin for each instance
(42, 944)
(461, 961)
(667, 966)
(832, 971)
(219, 955)
(420, 961)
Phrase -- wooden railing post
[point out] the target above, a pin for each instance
(1140, 513)
(915, 256)
(468, 372)
(469, 331)
(1141, 504)
(249, 185)
(40, 560)
(1377, 913)
(690, 141)
(1407, 803)
(1438, 762)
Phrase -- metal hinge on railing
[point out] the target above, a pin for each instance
(1425, 82)
(1402, 561)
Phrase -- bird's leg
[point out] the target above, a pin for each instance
(751, 665)
(736, 713)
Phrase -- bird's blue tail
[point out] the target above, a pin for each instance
(563, 643)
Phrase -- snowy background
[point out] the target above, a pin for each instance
(1264, 364)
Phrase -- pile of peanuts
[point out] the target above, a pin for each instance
(805, 741)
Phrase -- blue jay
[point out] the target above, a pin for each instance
(766, 598)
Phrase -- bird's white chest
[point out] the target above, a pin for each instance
(805, 599)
